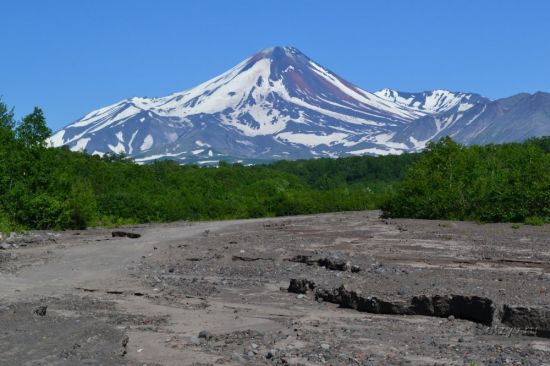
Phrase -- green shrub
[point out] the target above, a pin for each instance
(493, 183)
(45, 212)
(534, 220)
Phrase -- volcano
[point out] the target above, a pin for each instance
(276, 104)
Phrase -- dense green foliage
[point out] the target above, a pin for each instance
(48, 188)
(380, 172)
(32, 131)
(509, 182)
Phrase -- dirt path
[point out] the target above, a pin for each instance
(101, 264)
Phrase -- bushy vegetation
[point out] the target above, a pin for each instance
(379, 173)
(46, 188)
(492, 183)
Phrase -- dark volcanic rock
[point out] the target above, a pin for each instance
(473, 308)
(249, 259)
(306, 259)
(331, 263)
(205, 334)
(125, 234)
(422, 305)
(300, 286)
(41, 310)
(536, 319)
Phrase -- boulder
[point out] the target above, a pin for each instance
(300, 285)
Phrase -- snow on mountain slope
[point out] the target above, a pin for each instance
(304, 109)
(433, 102)
(276, 104)
(511, 119)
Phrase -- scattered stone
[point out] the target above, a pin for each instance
(332, 263)
(300, 285)
(249, 259)
(41, 310)
(125, 234)
(355, 268)
(124, 343)
(240, 359)
(205, 334)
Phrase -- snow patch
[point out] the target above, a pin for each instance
(376, 151)
(202, 144)
(81, 144)
(56, 140)
(312, 140)
(147, 142)
(118, 149)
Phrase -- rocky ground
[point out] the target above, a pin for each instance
(331, 289)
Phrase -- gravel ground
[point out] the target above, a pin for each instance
(330, 289)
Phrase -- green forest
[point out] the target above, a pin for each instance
(55, 188)
(491, 183)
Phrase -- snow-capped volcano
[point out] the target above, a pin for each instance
(276, 104)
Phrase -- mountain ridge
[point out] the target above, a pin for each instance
(280, 104)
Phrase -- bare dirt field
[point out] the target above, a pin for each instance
(330, 289)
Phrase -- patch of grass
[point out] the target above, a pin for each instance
(7, 227)
(516, 226)
(113, 222)
(534, 220)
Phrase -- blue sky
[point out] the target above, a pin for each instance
(70, 57)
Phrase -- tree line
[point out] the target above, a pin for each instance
(55, 188)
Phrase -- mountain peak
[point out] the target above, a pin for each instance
(279, 51)
(280, 58)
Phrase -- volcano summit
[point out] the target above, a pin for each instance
(280, 104)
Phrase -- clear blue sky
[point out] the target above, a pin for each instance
(70, 57)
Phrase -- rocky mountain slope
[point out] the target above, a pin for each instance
(280, 104)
